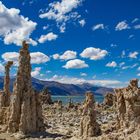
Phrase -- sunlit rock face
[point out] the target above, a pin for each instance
(45, 97)
(25, 113)
(128, 106)
(5, 94)
(109, 99)
(89, 127)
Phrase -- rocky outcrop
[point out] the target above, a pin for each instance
(128, 106)
(45, 96)
(89, 127)
(5, 94)
(7, 82)
(109, 99)
(25, 113)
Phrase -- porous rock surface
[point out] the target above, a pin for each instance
(128, 106)
(45, 96)
(5, 94)
(25, 112)
(109, 99)
(89, 126)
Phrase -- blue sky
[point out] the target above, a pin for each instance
(75, 41)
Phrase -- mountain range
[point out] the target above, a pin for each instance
(57, 88)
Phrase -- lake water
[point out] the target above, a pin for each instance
(76, 99)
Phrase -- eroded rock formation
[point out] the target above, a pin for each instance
(45, 96)
(109, 99)
(128, 106)
(5, 94)
(89, 127)
(25, 114)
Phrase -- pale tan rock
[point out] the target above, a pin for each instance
(5, 94)
(109, 99)
(7, 82)
(25, 114)
(128, 106)
(45, 96)
(89, 127)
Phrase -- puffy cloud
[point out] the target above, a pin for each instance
(10, 56)
(31, 41)
(75, 64)
(138, 74)
(61, 12)
(48, 37)
(94, 53)
(14, 27)
(36, 72)
(122, 26)
(67, 55)
(98, 27)
(56, 56)
(36, 57)
(39, 57)
(58, 10)
(133, 54)
(82, 22)
(111, 64)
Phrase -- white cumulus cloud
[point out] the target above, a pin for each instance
(56, 56)
(67, 55)
(75, 64)
(94, 53)
(39, 57)
(48, 37)
(14, 28)
(61, 12)
(111, 64)
(36, 72)
(36, 57)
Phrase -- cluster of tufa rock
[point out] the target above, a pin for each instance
(25, 111)
(89, 127)
(45, 96)
(109, 99)
(128, 106)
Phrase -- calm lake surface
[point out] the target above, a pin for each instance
(75, 99)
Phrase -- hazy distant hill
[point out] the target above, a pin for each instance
(63, 89)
